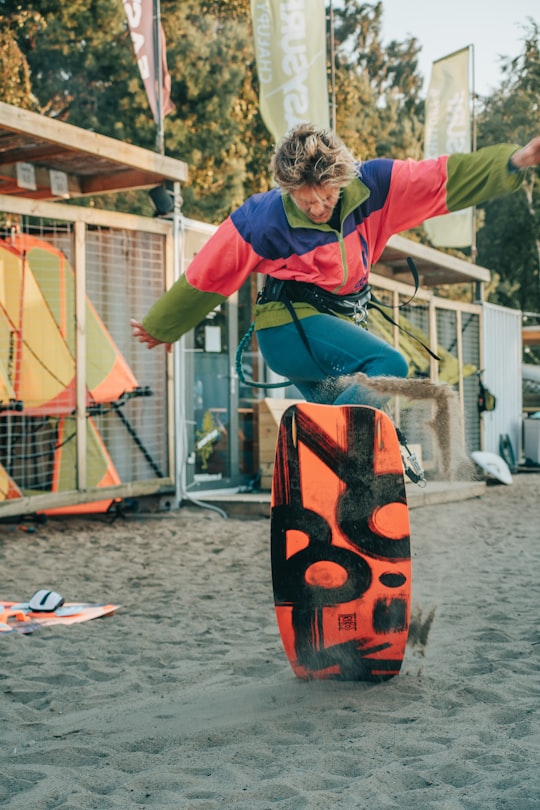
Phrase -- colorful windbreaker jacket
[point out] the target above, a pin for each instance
(268, 234)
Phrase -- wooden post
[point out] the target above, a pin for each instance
(80, 351)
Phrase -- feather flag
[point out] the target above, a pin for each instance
(151, 54)
(290, 48)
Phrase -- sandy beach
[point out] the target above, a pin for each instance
(184, 698)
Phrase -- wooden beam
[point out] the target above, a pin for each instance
(438, 260)
(79, 269)
(100, 217)
(80, 140)
(119, 181)
(31, 153)
(8, 172)
(32, 504)
(531, 335)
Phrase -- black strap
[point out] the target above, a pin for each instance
(302, 334)
(416, 278)
(322, 300)
(376, 304)
(245, 340)
(402, 329)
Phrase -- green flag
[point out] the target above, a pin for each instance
(290, 48)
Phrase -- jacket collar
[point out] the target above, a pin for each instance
(351, 197)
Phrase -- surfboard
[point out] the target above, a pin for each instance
(17, 617)
(340, 543)
(493, 465)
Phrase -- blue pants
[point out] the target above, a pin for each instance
(339, 348)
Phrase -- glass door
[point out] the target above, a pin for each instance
(209, 403)
(221, 411)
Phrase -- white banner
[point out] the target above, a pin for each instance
(290, 48)
(447, 130)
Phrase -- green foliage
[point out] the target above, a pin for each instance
(76, 63)
(216, 128)
(509, 242)
(379, 109)
(15, 78)
(76, 55)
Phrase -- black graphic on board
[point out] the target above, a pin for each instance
(389, 615)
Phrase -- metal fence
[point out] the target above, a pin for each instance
(85, 411)
(452, 329)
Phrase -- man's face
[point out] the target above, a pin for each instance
(316, 202)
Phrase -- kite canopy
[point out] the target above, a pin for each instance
(108, 376)
(8, 487)
(100, 471)
(7, 393)
(39, 366)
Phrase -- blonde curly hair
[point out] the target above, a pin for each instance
(312, 156)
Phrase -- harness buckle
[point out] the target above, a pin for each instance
(360, 314)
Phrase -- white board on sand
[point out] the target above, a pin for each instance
(493, 465)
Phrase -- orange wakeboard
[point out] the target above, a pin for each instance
(340, 544)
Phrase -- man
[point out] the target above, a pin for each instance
(315, 237)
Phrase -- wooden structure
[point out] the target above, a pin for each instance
(531, 335)
(82, 163)
(434, 268)
(122, 260)
(270, 411)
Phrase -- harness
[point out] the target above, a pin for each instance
(351, 305)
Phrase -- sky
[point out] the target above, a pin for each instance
(494, 27)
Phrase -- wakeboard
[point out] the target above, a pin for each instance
(340, 543)
(18, 617)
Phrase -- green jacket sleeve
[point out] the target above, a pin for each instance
(476, 177)
(178, 310)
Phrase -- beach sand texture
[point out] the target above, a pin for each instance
(184, 698)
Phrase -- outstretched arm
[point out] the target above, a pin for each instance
(528, 155)
(218, 270)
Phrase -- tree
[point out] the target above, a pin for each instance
(82, 70)
(509, 242)
(216, 127)
(379, 108)
(15, 78)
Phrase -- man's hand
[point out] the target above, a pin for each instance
(528, 155)
(140, 334)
